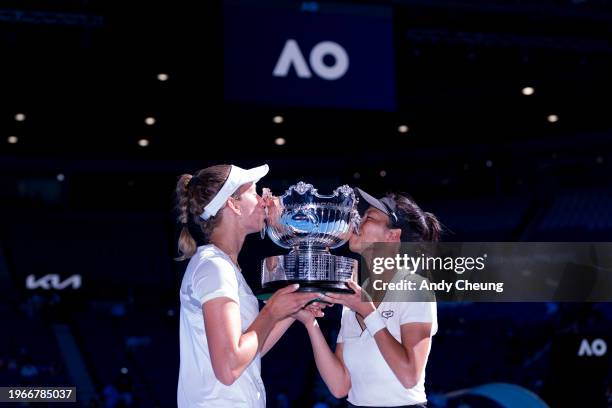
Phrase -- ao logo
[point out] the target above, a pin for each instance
(292, 56)
(598, 348)
(52, 281)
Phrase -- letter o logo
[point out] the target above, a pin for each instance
(599, 347)
(341, 62)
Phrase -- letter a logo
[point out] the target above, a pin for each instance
(291, 55)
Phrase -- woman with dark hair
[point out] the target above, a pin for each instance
(222, 332)
(383, 345)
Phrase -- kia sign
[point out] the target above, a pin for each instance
(339, 58)
(53, 281)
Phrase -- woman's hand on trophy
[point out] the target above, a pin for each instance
(354, 301)
(287, 301)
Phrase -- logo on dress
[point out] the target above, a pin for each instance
(387, 314)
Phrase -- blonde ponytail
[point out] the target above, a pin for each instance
(186, 244)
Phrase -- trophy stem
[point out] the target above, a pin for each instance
(309, 248)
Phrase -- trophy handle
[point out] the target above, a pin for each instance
(265, 195)
(271, 201)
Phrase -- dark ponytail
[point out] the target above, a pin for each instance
(420, 226)
(434, 227)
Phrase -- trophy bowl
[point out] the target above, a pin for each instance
(309, 224)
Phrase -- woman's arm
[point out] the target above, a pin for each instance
(277, 332)
(315, 309)
(231, 351)
(331, 366)
(406, 359)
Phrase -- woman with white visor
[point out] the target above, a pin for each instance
(223, 334)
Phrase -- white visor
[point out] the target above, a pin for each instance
(236, 178)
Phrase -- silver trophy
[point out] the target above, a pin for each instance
(309, 224)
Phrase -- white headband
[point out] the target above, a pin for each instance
(237, 177)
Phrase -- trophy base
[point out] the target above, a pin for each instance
(315, 270)
(305, 286)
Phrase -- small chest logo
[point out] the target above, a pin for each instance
(387, 314)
